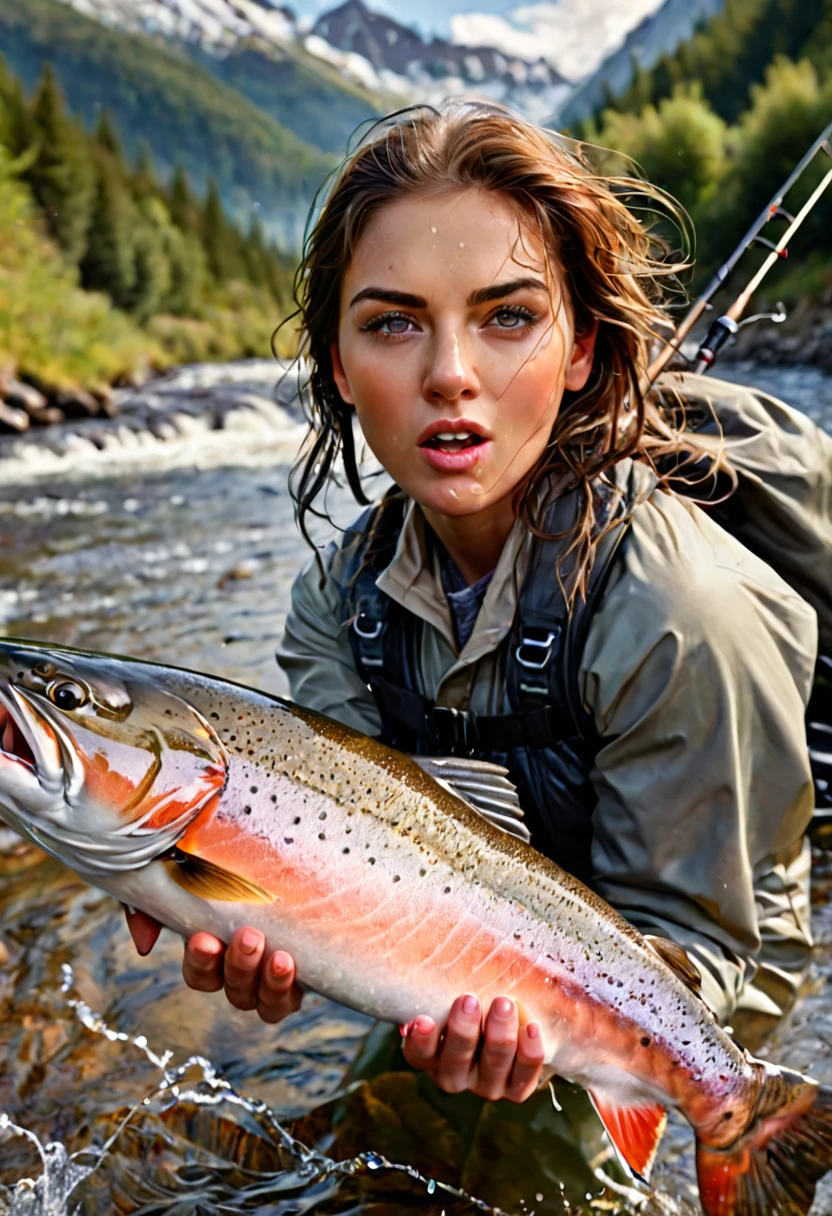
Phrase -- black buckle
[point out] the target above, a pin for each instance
(452, 729)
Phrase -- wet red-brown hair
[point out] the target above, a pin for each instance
(617, 273)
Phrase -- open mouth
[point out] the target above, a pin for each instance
(450, 441)
(13, 743)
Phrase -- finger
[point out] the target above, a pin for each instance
(462, 1037)
(498, 1050)
(420, 1042)
(203, 962)
(241, 969)
(278, 995)
(143, 929)
(528, 1063)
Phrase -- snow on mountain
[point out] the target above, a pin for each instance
(430, 69)
(368, 48)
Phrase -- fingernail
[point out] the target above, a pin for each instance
(404, 1029)
(280, 964)
(422, 1025)
(469, 1004)
(502, 1007)
(249, 941)
(533, 1030)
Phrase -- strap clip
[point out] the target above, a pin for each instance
(453, 730)
(369, 632)
(535, 648)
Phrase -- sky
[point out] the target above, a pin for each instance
(574, 35)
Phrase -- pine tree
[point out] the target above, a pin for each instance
(61, 177)
(108, 264)
(182, 205)
(216, 234)
(107, 138)
(17, 132)
(255, 253)
(144, 184)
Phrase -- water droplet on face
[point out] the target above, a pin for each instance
(462, 244)
(433, 230)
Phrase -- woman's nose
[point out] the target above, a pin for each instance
(450, 374)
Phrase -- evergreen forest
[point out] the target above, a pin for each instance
(106, 271)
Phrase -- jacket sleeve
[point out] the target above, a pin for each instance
(315, 651)
(697, 668)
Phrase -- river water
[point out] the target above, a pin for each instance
(194, 565)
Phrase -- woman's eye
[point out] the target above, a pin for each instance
(389, 324)
(513, 318)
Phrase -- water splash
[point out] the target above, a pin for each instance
(51, 1193)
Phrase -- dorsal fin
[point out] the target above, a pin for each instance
(635, 1131)
(678, 960)
(209, 881)
(484, 786)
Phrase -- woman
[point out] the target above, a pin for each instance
(484, 305)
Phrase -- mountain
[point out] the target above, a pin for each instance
(156, 93)
(259, 50)
(657, 35)
(429, 70)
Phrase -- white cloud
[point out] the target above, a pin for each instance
(574, 35)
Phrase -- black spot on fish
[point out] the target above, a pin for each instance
(322, 815)
(247, 810)
(254, 789)
(645, 1042)
(216, 717)
(288, 840)
(372, 860)
(296, 820)
(274, 798)
(447, 891)
(396, 877)
(346, 849)
(729, 1114)
(321, 835)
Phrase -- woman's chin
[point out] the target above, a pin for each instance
(455, 496)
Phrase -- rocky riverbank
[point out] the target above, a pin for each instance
(200, 414)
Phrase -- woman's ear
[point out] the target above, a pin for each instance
(583, 354)
(339, 375)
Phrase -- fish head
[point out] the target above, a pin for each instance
(101, 765)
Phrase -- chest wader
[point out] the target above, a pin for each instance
(547, 740)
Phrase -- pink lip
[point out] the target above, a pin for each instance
(457, 462)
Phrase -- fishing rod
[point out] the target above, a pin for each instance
(728, 324)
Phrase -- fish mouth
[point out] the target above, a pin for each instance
(32, 749)
(14, 746)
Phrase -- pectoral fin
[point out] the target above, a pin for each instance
(635, 1131)
(210, 881)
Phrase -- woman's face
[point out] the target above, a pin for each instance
(455, 344)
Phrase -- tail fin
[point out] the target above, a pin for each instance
(773, 1167)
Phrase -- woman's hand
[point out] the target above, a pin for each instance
(507, 1064)
(250, 980)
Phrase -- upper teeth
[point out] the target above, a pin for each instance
(454, 435)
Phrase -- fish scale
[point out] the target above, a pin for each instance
(211, 806)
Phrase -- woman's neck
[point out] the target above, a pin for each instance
(476, 541)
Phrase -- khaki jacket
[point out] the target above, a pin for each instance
(697, 667)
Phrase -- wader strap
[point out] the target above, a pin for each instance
(462, 733)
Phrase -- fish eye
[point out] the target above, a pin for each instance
(44, 670)
(68, 694)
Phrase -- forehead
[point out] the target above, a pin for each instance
(462, 238)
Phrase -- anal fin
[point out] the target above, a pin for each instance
(210, 881)
(635, 1131)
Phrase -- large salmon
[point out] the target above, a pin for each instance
(211, 806)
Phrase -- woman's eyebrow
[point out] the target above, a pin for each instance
(406, 300)
(497, 290)
(389, 296)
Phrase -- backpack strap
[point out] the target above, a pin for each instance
(549, 636)
(370, 544)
